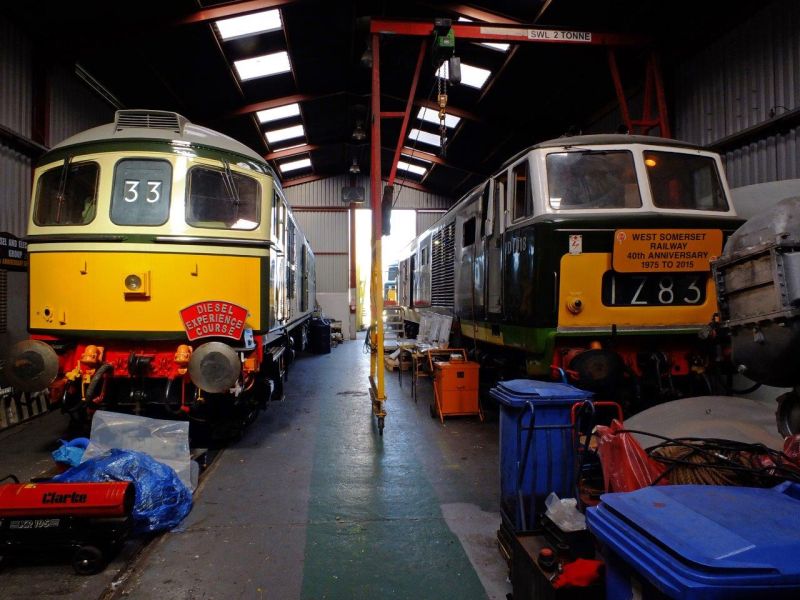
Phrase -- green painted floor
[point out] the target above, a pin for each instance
(375, 528)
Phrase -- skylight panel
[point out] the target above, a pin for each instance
(426, 138)
(262, 66)
(432, 116)
(419, 170)
(492, 45)
(278, 135)
(471, 76)
(281, 112)
(496, 46)
(295, 165)
(260, 22)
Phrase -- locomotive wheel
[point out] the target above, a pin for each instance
(787, 414)
(88, 560)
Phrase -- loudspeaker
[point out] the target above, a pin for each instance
(355, 194)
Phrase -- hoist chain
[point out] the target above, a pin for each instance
(441, 83)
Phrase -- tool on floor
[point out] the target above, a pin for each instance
(91, 519)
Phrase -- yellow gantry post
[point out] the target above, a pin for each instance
(376, 379)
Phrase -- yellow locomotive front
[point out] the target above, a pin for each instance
(153, 243)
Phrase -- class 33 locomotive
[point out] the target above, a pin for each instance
(166, 270)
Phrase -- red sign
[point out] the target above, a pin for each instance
(213, 318)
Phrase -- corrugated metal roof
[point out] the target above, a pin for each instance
(73, 108)
(326, 231)
(332, 273)
(16, 101)
(15, 191)
(328, 193)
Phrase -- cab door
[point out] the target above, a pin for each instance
(493, 228)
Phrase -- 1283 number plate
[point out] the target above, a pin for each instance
(654, 289)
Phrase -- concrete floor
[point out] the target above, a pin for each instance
(313, 504)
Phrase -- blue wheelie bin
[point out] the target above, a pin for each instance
(700, 542)
(537, 453)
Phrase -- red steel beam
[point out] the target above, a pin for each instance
(375, 142)
(233, 9)
(417, 186)
(479, 15)
(451, 110)
(407, 114)
(300, 180)
(497, 32)
(278, 154)
(621, 100)
(414, 153)
(274, 103)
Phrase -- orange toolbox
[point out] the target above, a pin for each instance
(455, 384)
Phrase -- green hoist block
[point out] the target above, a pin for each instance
(444, 46)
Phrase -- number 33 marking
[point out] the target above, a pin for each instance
(132, 191)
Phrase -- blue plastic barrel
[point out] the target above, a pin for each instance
(695, 542)
(537, 454)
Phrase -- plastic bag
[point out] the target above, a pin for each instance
(626, 466)
(165, 441)
(70, 453)
(564, 513)
(162, 500)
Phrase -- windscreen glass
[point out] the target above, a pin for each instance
(221, 199)
(67, 195)
(684, 181)
(592, 179)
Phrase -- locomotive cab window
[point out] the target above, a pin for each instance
(67, 195)
(221, 199)
(468, 232)
(684, 181)
(592, 179)
(523, 198)
(141, 192)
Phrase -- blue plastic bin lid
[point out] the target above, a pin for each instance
(518, 392)
(706, 532)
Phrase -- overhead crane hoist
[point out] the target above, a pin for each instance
(444, 32)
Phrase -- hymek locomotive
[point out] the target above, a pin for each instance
(166, 272)
(586, 254)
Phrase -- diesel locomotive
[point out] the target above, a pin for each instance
(586, 255)
(167, 273)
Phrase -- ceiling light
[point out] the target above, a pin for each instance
(411, 168)
(261, 66)
(359, 135)
(432, 116)
(260, 22)
(354, 168)
(278, 135)
(295, 165)
(417, 135)
(281, 112)
(471, 76)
